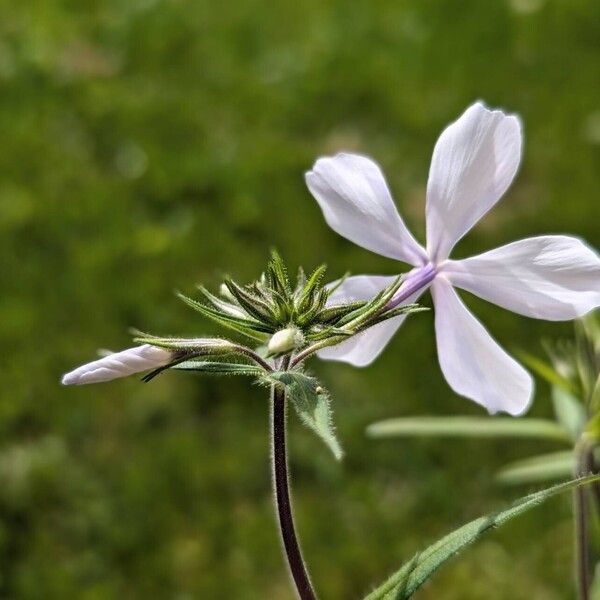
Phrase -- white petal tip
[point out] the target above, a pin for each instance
(119, 364)
(357, 362)
(68, 379)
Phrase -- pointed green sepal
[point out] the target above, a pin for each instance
(312, 405)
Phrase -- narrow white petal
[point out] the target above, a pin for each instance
(362, 349)
(474, 161)
(554, 277)
(473, 363)
(119, 364)
(356, 203)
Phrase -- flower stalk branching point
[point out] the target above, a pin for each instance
(283, 324)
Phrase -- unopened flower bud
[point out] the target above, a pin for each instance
(119, 364)
(285, 340)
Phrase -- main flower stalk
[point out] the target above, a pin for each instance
(282, 496)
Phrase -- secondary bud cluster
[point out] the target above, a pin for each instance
(288, 318)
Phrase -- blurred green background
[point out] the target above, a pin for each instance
(148, 145)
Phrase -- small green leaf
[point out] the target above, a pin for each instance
(405, 582)
(300, 282)
(545, 467)
(312, 405)
(489, 427)
(336, 312)
(545, 371)
(372, 308)
(277, 274)
(595, 589)
(248, 327)
(595, 400)
(311, 287)
(592, 427)
(569, 411)
(219, 368)
(404, 310)
(252, 304)
(222, 305)
(585, 357)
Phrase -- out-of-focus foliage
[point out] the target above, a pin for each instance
(151, 144)
(573, 372)
(416, 572)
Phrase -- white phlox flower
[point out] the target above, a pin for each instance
(554, 277)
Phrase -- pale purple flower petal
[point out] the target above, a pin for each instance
(554, 277)
(473, 363)
(119, 364)
(362, 349)
(473, 164)
(356, 203)
(474, 161)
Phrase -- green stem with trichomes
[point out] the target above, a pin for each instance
(583, 563)
(281, 490)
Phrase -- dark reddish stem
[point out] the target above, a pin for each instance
(583, 566)
(282, 497)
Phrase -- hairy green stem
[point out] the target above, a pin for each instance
(281, 490)
(253, 356)
(304, 354)
(594, 468)
(583, 566)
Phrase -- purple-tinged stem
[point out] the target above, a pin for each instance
(281, 486)
(416, 280)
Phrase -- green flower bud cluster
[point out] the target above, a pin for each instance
(286, 315)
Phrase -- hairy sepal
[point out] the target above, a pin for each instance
(312, 405)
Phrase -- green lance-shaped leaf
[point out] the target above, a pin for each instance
(376, 305)
(569, 411)
(595, 399)
(552, 466)
(248, 327)
(223, 306)
(255, 306)
(300, 282)
(312, 405)
(585, 359)
(404, 310)
(278, 275)
(336, 312)
(405, 582)
(545, 371)
(311, 287)
(219, 368)
(477, 427)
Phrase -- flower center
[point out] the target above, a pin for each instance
(416, 280)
